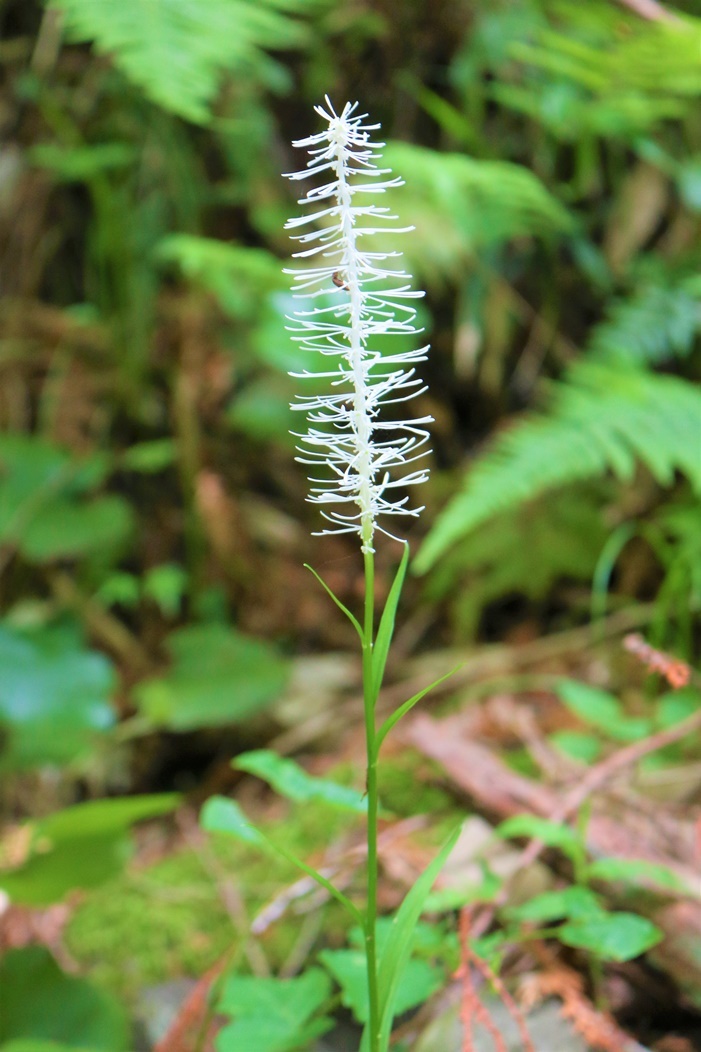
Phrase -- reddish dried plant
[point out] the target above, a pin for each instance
(674, 670)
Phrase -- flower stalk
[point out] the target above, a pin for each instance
(363, 461)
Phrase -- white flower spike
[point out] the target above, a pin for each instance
(345, 433)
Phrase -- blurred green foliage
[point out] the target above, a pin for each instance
(67, 1013)
(150, 510)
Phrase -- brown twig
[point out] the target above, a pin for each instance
(187, 1030)
(677, 673)
(507, 1000)
(590, 781)
(471, 1007)
(598, 1029)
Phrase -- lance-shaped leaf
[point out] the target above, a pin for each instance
(293, 782)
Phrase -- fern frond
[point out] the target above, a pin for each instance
(524, 552)
(655, 57)
(459, 205)
(655, 324)
(239, 277)
(586, 77)
(604, 418)
(176, 51)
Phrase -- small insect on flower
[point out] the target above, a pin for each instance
(355, 450)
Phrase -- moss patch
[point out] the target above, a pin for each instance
(169, 920)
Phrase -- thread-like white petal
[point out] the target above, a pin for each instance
(351, 441)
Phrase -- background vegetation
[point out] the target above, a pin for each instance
(156, 616)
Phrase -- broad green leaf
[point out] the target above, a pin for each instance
(45, 508)
(54, 697)
(166, 584)
(612, 936)
(349, 969)
(591, 704)
(576, 744)
(32, 471)
(218, 676)
(149, 458)
(262, 410)
(104, 816)
(385, 631)
(291, 781)
(38, 1003)
(273, 1015)
(418, 982)
(573, 902)
(68, 529)
(601, 709)
(120, 587)
(221, 815)
(552, 834)
(678, 706)
(636, 871)
(80, 847)
(395, 952)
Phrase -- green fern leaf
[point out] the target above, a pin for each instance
(525, 552)
(176, 51)
(603, 419)
(459, 205)
(587, 77)
(655, 324)
(655, 57)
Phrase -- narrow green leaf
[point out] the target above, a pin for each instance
(344, 609)
(396, 716)
(291, 781)
(221, 815)
(386, 628)
(396, 950)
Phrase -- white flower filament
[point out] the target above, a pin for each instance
(345, 431)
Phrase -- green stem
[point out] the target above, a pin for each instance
(369, 701)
